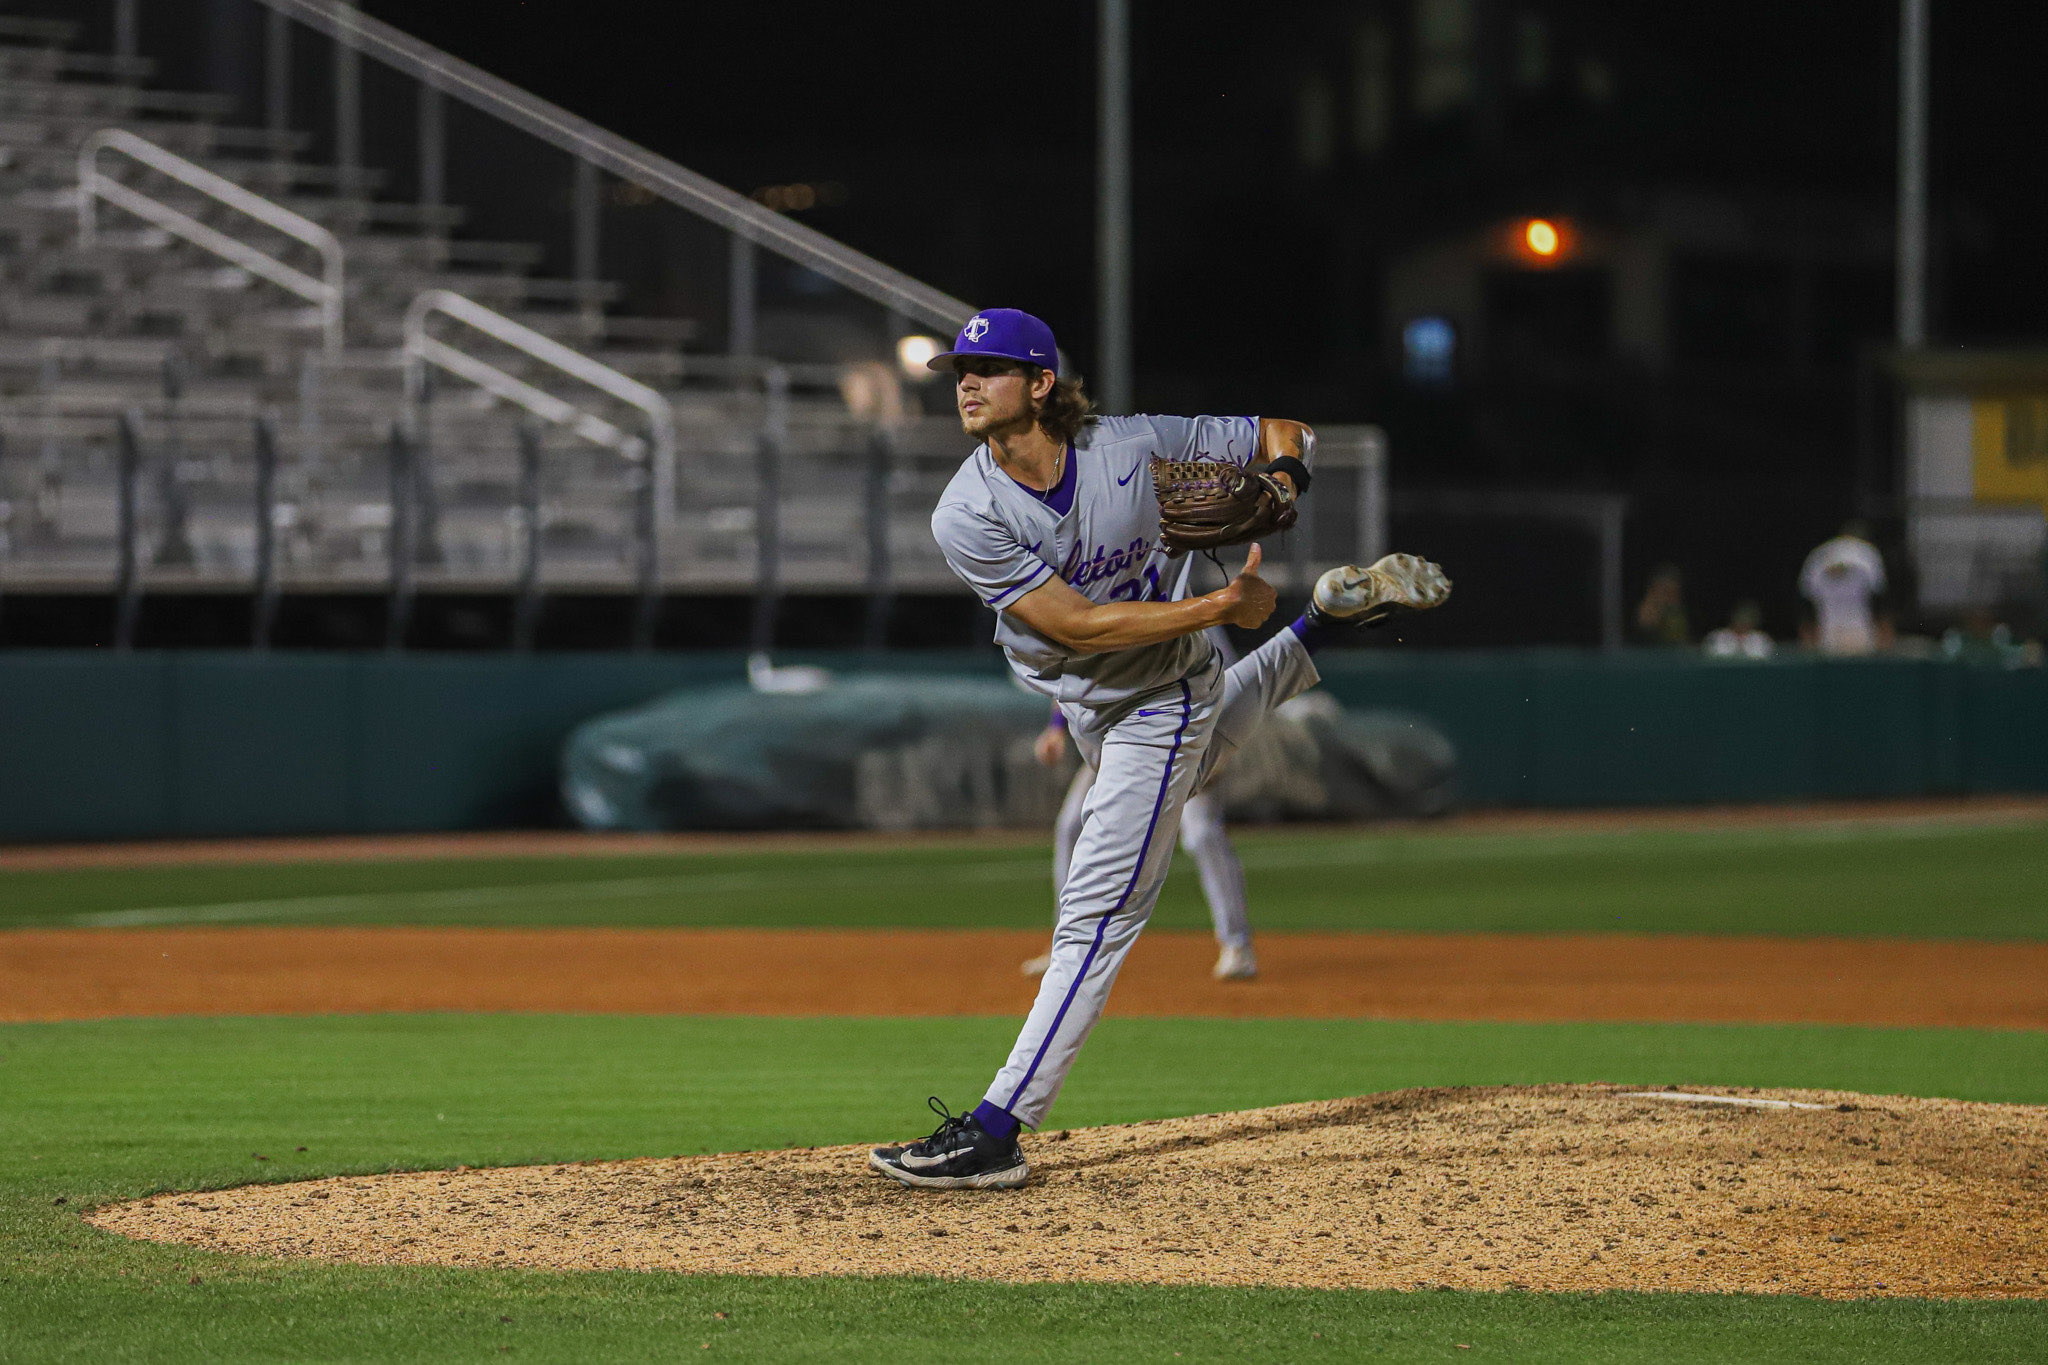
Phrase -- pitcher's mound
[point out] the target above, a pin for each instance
(1547, 1188)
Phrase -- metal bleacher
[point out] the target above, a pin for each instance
(136, 366)
(208, 380)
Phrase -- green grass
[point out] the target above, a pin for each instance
(1927, 880)
(100, 1111)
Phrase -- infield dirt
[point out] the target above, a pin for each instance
(96, 973)
(1553, 1188)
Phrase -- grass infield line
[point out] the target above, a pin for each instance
(431, 904)
(1259, 854)
(1930, 880)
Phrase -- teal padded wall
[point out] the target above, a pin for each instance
(1569, 728)
(472, 741)
(109, 746)
(86, 746)
(2000, 724)
(260, 744)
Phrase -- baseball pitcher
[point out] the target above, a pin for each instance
(1076, 530)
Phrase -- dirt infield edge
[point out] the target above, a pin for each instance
(1973, 810)
(48, 975)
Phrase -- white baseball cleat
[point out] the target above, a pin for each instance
(1236, 962)
(1037, 966)
(1395, 583)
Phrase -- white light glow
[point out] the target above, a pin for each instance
(914, 353)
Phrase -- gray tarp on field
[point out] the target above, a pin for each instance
(919, 751)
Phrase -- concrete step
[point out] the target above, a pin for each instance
(58, 135)
(269, 176)
(186, 274)
(21, 30)
(121, 279)
(340, 213)
(38, 225)
(35, 158)
(53, 61)
(54, 164)
(32, 92)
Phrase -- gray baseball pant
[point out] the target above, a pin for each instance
(1150, 755)
(1202, 836)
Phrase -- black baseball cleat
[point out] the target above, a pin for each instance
(961, 1155)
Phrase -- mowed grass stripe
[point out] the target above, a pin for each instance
(1262, 852)
(520, 902)
(104, 1111)
(1910, 880)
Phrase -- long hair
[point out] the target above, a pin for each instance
(1066, 410)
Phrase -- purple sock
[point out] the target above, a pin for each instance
(1315, 632)
(997, 1123)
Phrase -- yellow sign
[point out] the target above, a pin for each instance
(2011, 457)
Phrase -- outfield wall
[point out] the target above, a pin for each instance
(1642, 727)
(106, 746)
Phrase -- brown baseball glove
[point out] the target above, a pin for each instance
(1207, 504)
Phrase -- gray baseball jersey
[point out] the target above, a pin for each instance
(1099, 530)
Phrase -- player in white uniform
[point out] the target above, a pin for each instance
(1053, 521)
(1839, 578)
(1202, 834)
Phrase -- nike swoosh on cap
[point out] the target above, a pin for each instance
(1038, 353)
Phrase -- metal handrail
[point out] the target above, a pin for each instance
(93, 186)
(422, 349)
(344, 23)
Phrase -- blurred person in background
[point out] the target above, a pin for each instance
(1841, 578)
(1743, 637)
(1202, 834)
(1982, 638)
(1660, 618)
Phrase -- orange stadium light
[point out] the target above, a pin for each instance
(1536, 243)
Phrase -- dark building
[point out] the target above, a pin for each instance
(1639, 249)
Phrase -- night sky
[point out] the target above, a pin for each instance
(966, 135)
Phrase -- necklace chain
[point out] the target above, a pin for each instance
(1059, 471)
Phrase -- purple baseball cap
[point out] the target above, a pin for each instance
(1005, 334)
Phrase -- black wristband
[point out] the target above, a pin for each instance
(1294, 469)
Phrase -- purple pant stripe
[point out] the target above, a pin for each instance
(1102, 924)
